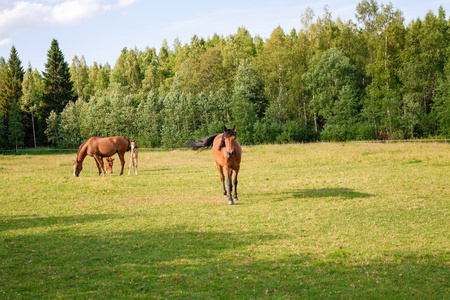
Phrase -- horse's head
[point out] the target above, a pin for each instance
(109, 165)
(77, 167)
(132, 144)
(229, 135)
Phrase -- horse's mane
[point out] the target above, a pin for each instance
(227, 133)
(79, 148)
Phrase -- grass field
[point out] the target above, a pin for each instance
(313, 221)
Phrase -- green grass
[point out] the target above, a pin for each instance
(313, 221)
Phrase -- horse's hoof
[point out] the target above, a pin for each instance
(236, 199)
(230, 202)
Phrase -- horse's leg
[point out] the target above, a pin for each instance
(122, 162)
(131, 162)
(220, 168)
(230, 184)
(135, 164)
(98, 167)
(99, 161)
(235, 184)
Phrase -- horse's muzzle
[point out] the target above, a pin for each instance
(230, 154)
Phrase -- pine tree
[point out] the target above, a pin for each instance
(58, 85)
(12, 83)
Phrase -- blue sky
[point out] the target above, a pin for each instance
(100, 29)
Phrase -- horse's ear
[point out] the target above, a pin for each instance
(224, 128)
(234, 129)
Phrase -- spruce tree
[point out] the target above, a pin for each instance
(12, 83)
(58, 85)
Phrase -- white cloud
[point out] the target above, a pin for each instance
(70, 12)
(20, 17)
(25, 16)
(5, 42)
(125, 3)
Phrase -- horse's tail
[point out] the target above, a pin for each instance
(205, 142)
(129, 145)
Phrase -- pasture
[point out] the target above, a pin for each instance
(323, 220)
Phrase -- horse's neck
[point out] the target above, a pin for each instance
(82, 153)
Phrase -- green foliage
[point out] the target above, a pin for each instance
(247, 77)
(3, 139)
(99, 78)
(378, 78)
(33, 94)
(80, 78)
(148, 121)
(52, 129)
(127, 72)
(293, 131)
(179, 119)
(69, 127)
(243, 114)
(58, 85)
(365, 132)
(441, 107)
(265, 133)
(11, 82)
(15, 127)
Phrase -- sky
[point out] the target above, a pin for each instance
(100, 29)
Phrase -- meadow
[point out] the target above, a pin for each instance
(322, 221)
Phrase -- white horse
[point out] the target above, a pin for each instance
(133, 158)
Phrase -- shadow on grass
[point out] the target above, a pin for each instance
(324, 193)
(32, 221)
(338, 193)
(179, 262)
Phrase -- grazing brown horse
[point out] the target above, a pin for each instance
(227, 153)
(99, 148)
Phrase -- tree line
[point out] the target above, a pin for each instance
(331, 80)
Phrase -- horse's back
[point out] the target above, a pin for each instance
(106, 146)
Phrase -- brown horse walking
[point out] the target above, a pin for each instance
(227, 153)
(99, 148)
